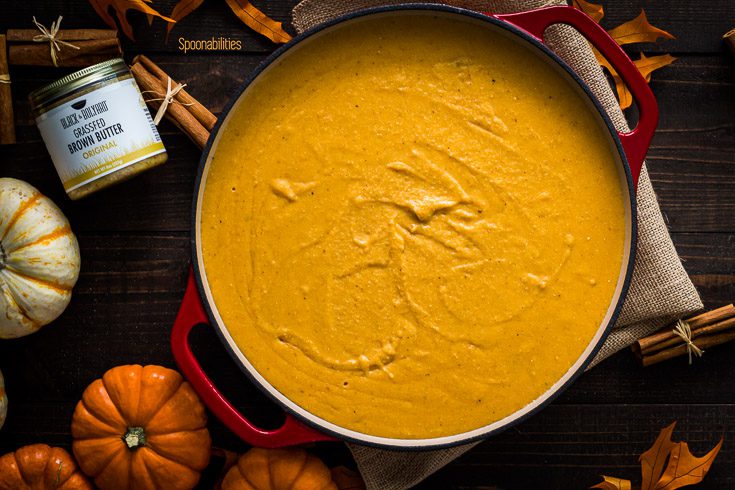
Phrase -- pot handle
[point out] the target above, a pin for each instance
(635, 143)
(191, 314)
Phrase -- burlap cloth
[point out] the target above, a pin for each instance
(660, 290)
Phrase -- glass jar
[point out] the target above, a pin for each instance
(97, 128)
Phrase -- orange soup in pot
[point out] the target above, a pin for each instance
(413, 227)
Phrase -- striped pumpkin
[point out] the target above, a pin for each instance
(39, 259)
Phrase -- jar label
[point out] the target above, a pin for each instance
(99, 132)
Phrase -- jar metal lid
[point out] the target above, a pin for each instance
(77, 80)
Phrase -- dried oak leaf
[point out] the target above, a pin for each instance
(684, 468)
(647, 65)
(667, 465)
(638, 30)
(625, 99)
(612, 483)
(258, 21)
(653, 461)
(592, 9)
(120, 8)
(182, 9)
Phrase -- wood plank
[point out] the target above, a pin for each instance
(710, 262)
(692, 157)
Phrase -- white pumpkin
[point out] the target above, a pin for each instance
(39, 259)
(3, 401)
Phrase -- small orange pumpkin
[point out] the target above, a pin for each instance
(278, 469)
(40, 467)
(141, 428)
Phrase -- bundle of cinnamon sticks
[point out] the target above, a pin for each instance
(195, 120)
(707, 329)
(94, 46)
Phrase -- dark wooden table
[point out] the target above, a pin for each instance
(135, 252)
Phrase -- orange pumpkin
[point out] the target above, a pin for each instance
(278, 469)
(40, 467)
(141, 428)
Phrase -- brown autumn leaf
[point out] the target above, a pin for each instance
(647, 65)
(258, 21)
(120, 8)
(638, 30)
(625, 99)
(593, 10)
(182, 9)
(686, 469)
(634, 31)
(612, 483)
(653, 461)
(667, 465)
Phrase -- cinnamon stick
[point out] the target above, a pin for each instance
(7, 122)
(201, 113)
(70, 35)
(666, 337)
(176, 113)
(95, 46)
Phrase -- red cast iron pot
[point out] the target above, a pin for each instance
(525, 28)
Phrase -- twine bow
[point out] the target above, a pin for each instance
(167, 99)
(50, 36)
(683, 330)
(4, 78)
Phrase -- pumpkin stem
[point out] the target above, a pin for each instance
(134, 437)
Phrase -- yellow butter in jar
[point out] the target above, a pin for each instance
(97, 128)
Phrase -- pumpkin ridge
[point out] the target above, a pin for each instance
(152, 471)
(304, 464)
(20, 468)
(272, 468)
(59, 468)
(82, 452)
(122, 383)
(34, 324)
(58, 232)
(100, 419)
(152, 448)
(111, 428)
(35, 197)
(49, 284)
(112, 405)
(163, 403)
(161, 451)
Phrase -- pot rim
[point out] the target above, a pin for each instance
(534, 406)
